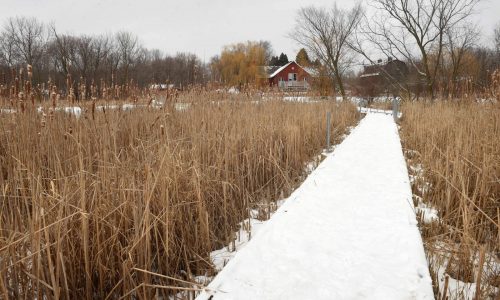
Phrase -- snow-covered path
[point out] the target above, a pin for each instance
(348, 232)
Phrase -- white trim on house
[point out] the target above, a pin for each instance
(369, 75)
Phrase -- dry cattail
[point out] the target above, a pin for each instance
(27, 87)
(29, 68)
(32, 98)
(43, 121)
(21, 76)
(69, 88)
(93, 108)
(53, 97)
(82, 89)
(16, 86)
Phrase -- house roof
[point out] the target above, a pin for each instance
(393, 67)
(277, 71)
(312, 71)
(272, 71)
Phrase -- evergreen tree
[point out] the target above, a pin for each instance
(274, 61)
(302, 58)
(283, 60)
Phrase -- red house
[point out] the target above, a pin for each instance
(288, 77)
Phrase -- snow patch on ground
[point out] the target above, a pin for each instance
(7, 111)
(181, 106)
(458, 289)
(368, 110)
(429, 214)
(72, 110)
(439, 254)
(300, 99)
(233, 90)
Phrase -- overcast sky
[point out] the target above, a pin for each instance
(198, 26)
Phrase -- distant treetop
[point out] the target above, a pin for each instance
(279, 61)
(302, 58)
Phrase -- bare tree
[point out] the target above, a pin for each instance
(128, 49)
(98, 60)
(268, 50)
(325, 34)
(496, 33)
(416, 30)
(63, 49)
(28, 38)
(101, 47)
(112, 61)
(83, 55)
(7, 51)
(459, 40)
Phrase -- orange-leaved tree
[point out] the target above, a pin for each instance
(240, 64)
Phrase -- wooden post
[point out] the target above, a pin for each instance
(328, 117)
(395, 109)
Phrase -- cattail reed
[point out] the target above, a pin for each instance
(83, 89)
(457, 144)
(95, 200)
(53, 97)
(69, 88)
(93, 109)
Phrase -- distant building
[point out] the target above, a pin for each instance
(291, 76)
(382, 78)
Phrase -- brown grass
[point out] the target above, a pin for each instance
(459, 146)
(131, 203)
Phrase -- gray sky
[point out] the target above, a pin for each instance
(198, 26)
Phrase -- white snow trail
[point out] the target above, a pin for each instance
(348, 232)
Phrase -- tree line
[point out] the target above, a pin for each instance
(435, 38)
(116, 59)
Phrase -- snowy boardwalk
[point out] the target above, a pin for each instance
(348, 232)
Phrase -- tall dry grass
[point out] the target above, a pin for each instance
(130, 203)
(458, 145)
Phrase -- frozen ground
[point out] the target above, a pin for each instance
(349, 232)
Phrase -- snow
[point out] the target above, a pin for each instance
(280, 69)
(348, 232)
(366, 110)
(181, 106)
(429, 213)
(301, 99)
(439, 251)
(369, 75)
(7, 111)
(248, 228)
(417, 178)
(233, 90)
(72, 110)
(458, 289)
